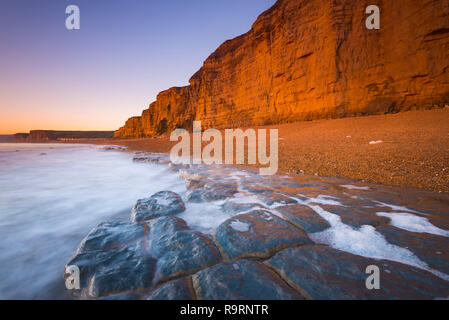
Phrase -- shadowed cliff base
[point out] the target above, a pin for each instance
(408, 149)
(307, 60)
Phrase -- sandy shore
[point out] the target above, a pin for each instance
(414, 150)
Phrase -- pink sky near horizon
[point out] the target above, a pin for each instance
(112, 68)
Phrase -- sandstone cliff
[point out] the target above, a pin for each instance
(310, 59)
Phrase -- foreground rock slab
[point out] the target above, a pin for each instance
(261, 248)
(113, 271)
(213, 192)
(304, 217)
(178, 249)
(119, 257)
(159, 204)
(180, 289)
(432, 249)
(241, 280)
(257, 234)
(320, 272)
(111, 235)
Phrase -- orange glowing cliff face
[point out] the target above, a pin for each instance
(305, 60)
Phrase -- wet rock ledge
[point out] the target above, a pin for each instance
(265, 249)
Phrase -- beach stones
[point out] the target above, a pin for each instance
(321, 272)
(111, 235)
(241, 280)
(162, 203)
(304, 217)
(257, 234)
(178, 249)
(112, 271)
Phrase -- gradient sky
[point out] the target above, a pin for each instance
(124, 54)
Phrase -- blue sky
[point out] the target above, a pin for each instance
(124, 54)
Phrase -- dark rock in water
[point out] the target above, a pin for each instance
(159, 204)
(257, 234)
(233, 208)
(211, 192)
(164, 226)
(114, 148)
(196, 195)
(271, 198)
(241, 280)
(178, 249)
(112, 271)
(151, 158)
(159, 257)
(177, 167)
(118, 257)
(194, 183)
(430, 248)
(180, 289)
(111, 235)
(304, 218)
(321, 272)
(253, 187)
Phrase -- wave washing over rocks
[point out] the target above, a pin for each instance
(237, 235)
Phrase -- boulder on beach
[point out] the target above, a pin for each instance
(321, 272)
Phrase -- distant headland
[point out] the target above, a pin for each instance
(64, 136)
